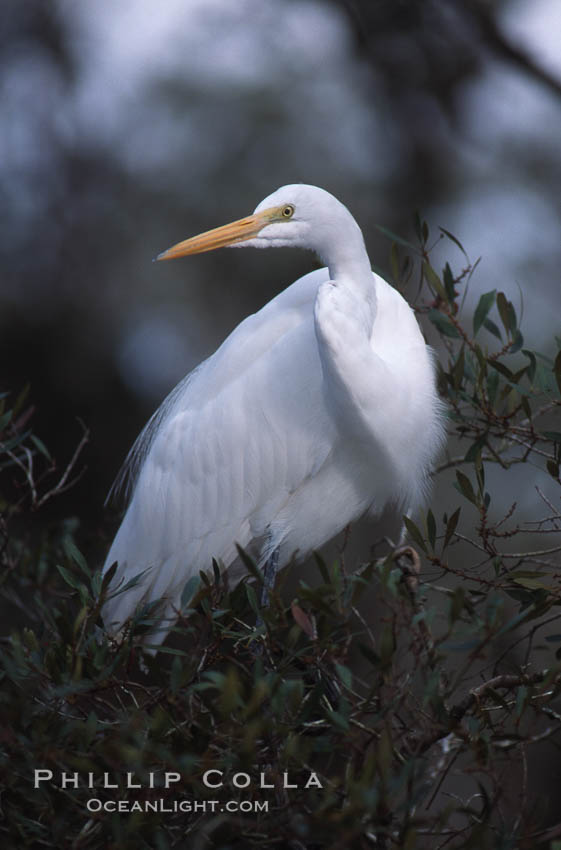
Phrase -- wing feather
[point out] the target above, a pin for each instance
(213, 466)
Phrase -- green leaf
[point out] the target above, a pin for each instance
(448, 279)
(399, 239)
(41, 447)
(454, 240)
(250, 564)
(474, 450)
(511, 318)
(530, 582)
(21, 400)
(526, 406)
(492, 386)
(485, 303)
(252, 598)
(500, 367)
(458, 369)
(5, 419)
(320, 563)
(516, 620)
(169, 650)
(451, 527)
(68, 577)
(492, 328)
(216, 677)
(443, 324)
(345, 675)
(418, 226)
(108, 575)
(434, 281)
(216, 571)
(384, 755)
(465, 487)
(72, 552)
(542, 378)
(190, 590)
(517, 341)
(531, 368)
(431, 528)
(480, 358)
(506, 312)
(414, 533)
(122, 588)
(8, 445)
(338, 720)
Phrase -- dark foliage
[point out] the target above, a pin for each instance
(414, 726)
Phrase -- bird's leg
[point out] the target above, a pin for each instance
(269, 575)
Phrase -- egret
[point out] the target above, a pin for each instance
(317, 411)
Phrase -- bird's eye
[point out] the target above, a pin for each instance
(288, 211)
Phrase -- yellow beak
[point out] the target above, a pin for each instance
(220, 237)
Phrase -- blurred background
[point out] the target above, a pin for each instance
(127, 127)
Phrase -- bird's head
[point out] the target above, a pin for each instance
(297, 216)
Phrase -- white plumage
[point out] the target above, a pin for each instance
(316, 411)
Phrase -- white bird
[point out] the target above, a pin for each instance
(317, 411)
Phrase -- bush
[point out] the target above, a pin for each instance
(423, 726)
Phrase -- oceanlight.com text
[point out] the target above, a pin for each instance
(94, 805)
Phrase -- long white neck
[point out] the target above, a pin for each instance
(344, 252)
